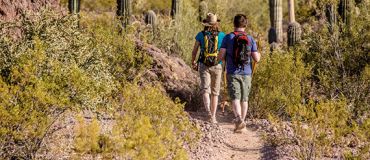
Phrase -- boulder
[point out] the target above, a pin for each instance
(174, 75)
(11, 9)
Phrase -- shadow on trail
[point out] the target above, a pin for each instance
(269, 153)
(241, 149)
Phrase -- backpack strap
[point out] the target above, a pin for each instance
(205, 42)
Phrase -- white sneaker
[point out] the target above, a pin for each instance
(214, 120)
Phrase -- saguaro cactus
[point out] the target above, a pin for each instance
(175, 8)
(276, 18)
(74, 6)
(344, 11)
(203, 10)
(294, 28)
(272, 36)
(124, 11)
(151, 19)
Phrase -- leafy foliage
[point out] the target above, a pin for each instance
(56, 66)
(277, 85)
(320, 87)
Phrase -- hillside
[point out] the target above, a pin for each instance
(92, 81)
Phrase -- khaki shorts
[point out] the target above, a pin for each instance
(239, 87)
(210, 79)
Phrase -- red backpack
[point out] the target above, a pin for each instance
(242, 49)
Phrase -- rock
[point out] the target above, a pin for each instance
(273, 129)
(11, 9)
(305, 126)
(177, 79)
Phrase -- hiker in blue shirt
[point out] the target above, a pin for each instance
(238, 50)
(210, 68)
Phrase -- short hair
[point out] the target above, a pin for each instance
(240, 21)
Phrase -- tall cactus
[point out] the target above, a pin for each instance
(151, 19)
(203, 10)
(344, 11)
(294, 28)
(276, 18)
(74, 6)
(175, 8)
(331, 16)
(124, 11)
(272, 36)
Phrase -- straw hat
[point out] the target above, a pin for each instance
(210, 20)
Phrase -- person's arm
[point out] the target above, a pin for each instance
(194, 53)
(222, 52)
(256, 56)
(221, 55)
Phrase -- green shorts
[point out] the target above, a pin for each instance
(239, 86)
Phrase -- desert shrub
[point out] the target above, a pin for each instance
(56, 66)
(162, 119)
(87, 136)
(94, 5)
(339, 59)
(138, 6)
(335, 110)
(53, 67)
(148, 125)
(178, 36)
(256, 11)
(277, 84)
(322, 129)
(142, 6)
(126, 63)
(330, 126)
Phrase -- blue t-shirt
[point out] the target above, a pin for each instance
(200, 39)
(231, 68)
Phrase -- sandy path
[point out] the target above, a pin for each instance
(221, 143)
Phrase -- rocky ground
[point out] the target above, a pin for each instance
(219, 142)
(12, 9)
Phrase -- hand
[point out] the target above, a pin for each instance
(195, 66)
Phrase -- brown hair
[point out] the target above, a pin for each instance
(214, 29)
(240, 21)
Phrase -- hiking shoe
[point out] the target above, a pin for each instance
(209, 118)
(239, 125)
(213, 120)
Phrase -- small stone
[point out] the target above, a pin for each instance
(305, 126)
(273, 129)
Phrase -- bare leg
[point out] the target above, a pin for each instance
(214, 102)
(234, 111)
(236, 108)
(206, 101)
(244, 110)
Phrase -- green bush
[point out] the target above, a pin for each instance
(324, 95)
(148, 125)
(56, 66)
(53, 67)
(277, 85)
(152, 120)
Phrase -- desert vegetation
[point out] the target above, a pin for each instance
(314, 76)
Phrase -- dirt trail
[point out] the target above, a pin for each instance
(221, 143)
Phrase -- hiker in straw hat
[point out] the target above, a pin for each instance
(210, 69)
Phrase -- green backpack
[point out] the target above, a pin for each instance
(210, 52)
